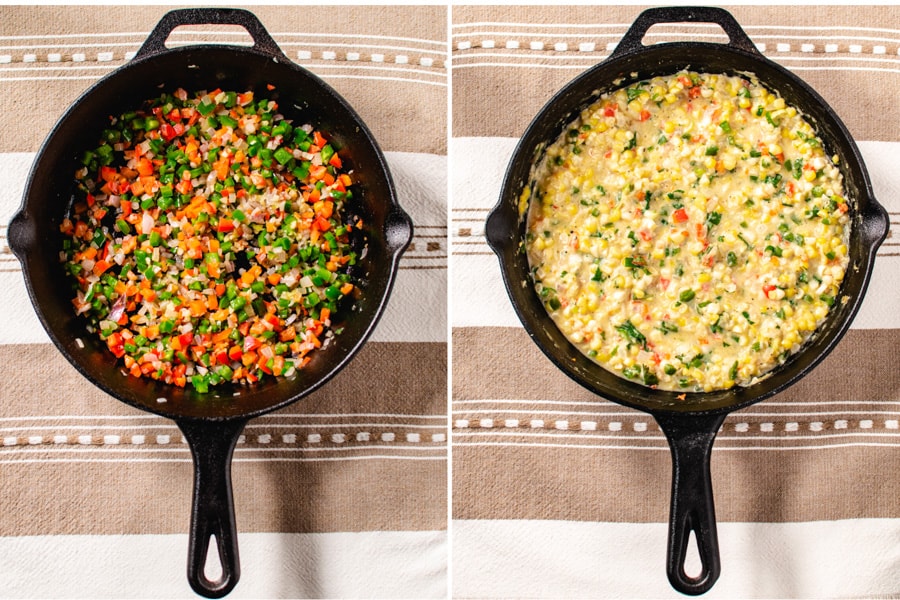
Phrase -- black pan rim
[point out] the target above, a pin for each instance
(185, 53)
(599, 75)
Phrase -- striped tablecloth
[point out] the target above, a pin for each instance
(559, 493)
(342, 494)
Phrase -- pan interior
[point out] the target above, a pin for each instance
(302, 98)
(506, 229)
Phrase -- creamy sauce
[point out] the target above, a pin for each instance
(688, 232)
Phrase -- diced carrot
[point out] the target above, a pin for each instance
(101, 266)
(197, 308)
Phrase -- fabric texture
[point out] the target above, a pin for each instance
(362, 461)
(558, 492)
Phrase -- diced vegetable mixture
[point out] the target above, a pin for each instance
(688, 232)
(209, 239)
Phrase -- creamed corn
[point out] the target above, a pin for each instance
(688, 232)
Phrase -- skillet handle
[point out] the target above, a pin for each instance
(691, 439)
(632, 40)
(398, 231)
(874, 227)
(262, 41)
(212, 510)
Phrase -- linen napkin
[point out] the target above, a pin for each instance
(559, 493)
(341, 494)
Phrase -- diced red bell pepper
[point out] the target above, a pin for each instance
(167, 132)
(116, 344)
(185, 339)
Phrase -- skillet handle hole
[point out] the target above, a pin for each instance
(663, 33)
(212, 568)
(693, 563)
(186, 35)
(232, 26)
(732, 33)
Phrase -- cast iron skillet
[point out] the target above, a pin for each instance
(211, 423)
(691, 424)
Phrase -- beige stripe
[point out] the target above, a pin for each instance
(275, 494)
(155, 498)
(505, 363)
(380, 380)
(403, 115)
(619, 486)
(521, 92)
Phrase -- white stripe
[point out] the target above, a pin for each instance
(142, 35)
(280, 415)
(274, 459)
(84, 445)
(416, 312)
(362, 67)
(354, 415)
(439, 51)
(743, 413)
(479, 165)
(61, 46)
(326, 76)
(675, 35)
(249, 426)
(588, 60)
(330, 76)
(625, 412)
(625, 26)
(641, 426)
(565, 559)
(458, 65)
(665, 447)
(350, 36)
(606, 404)
(273, 565)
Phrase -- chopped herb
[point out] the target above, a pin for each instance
(631, 333)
